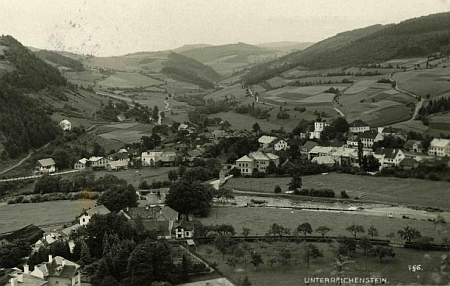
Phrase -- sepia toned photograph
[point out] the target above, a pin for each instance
(224, 142)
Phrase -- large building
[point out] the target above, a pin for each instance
(368, 138)
(256, 160)
(358, 126)
(439, 147)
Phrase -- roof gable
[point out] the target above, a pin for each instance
(46, 162)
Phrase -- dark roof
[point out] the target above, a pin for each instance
(408, 162)
(368, 135)
(156, 213)
(358, 123)
(310, 144)
(388, 153)
(30, 233)
(390, 129)
(157, 226)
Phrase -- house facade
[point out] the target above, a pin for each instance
(368, 138)
(280, 144)
(256, 160)
(81, 164)
(117, 165)
(45, 166)
(439, 147)
(86, 215)
(389, 157)
(358, 126)
(98, 162)
(265, 141)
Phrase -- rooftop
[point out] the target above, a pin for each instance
(266, 139)
(46, 162)
(358, 123)
(440, 143)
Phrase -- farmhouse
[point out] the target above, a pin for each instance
(409, 163)
(369, 137)
(117, 165)
(308, 146)
(352, 140)
(256, 160)
(151, 158)
(45, 166)
(439, 147)
(324, 160)
(279, 145)
(389, 157)
(358, 126)
(30, 233)
(58, 271)
(86, 215)
(265, 141)
(162, 219)
(81, 164)
(319, 151)
(413, 146)
(98, 162)
(344, 156)
(18, 278)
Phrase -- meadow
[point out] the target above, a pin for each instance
(383, 189)
(395, 271)
(20, 215)
(129, 80)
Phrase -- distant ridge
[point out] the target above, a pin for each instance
(417, 37)
(286, 46)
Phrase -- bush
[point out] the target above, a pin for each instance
(277, 189)
(344, 195)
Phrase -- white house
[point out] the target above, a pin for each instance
(439, 147)
(324, 160)
(319, 151)
(358, 126)
(65, 125)
(369, 137)
(279, 145)
(86, 215)
(256, 160)
(58, 271)
(389, 157)
(117, 165)
(45, 166)
(344, 156)
(98, 162)
(81, 164)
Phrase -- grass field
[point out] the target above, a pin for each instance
(260, 219)
(423, 82)
(360, 86)
(134, 176)
(20, 215)
(390, 190)
(396, 271)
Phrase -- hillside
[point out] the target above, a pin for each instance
(285, 46)
(60, 61)
(228, 59)
(417, 37)
(24, 123)
(189, 70)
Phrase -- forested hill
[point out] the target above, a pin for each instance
(417, 37)
(24, 124)
(30, 71)
(189, 70)
(60, 60)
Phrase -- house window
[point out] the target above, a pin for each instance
(179, 235)
(83, 220)
(187, 233)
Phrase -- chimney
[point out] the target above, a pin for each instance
(63, 262)
(26, 269)
(50, 258)
(20, 277)
(128, 209)
(13, 281)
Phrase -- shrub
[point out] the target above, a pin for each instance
(277, 189)
(344, 195)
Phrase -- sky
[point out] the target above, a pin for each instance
(118, 27)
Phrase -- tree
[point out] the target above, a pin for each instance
(256, 259)
(272, 261)
(382, 252)
(155, 113)
(355, 229)
(172, 175)
(365, 244)
(370, 163)
(277, 189)
(256, 128)
(271, 169)
(245, 231)
(360, 153)
(284, 256)
(305, 228)
(224, 244)
(409, 234)
(11, 255)
(276, 229)
(118, 199)
(372, 231)
(190, 197)
(311, 252)
(246, 281)
(296, 182)
(151, 261)
(323, 230)
(85, 254)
